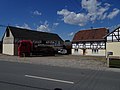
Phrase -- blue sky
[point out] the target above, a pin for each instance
(64, 17)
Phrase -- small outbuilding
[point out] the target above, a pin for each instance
(13, 35)
(90, 42)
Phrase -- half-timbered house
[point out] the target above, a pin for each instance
(89, 42)
(113, 42)
(14, 34)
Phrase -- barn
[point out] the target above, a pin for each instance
(12, 36)
(113, 42)
(90, 42)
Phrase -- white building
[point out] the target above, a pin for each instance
(90, 42)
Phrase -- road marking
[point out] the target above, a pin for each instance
(49, 79)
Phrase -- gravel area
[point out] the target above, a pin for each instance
(82, 62)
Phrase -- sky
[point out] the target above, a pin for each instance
(63, 17)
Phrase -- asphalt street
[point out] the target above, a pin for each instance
(21, 76)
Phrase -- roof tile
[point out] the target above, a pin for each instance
(90, 35)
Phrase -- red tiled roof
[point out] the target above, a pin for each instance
(90, 35)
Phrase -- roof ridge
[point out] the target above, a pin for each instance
(29, 29)
(32, 34)
(92, 29)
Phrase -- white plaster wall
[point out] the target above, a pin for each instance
(113, 47)
(8, 44)
(101, 52)
(88, 52)
(8, 49)
(80, 52)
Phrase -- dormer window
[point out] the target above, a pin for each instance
(7, 33)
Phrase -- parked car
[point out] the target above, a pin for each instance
(62, 51)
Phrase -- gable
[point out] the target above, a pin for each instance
(8, 37)
(114, 36)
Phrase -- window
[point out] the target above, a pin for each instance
(73, 45)
(95, 51)
(57, 43)
(7, 33)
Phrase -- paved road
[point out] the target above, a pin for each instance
(21, 76)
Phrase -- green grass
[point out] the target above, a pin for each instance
(114, 63)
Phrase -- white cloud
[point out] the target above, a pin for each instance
(44, 27)
(55, 24)
(102, 11)
(37, 13)
(25, 26)
(113, 13)
(72, 18)
(94, 10)
(71, 34)
(90, 5)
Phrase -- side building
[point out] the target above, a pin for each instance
(13, 35)
(113, 42)
(90, 42)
